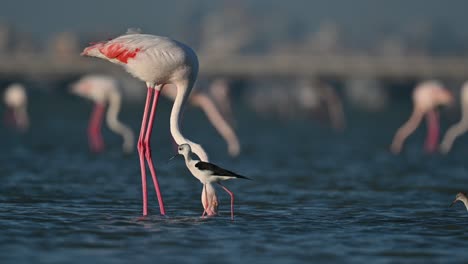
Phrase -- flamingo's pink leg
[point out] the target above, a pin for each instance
(232, 199)
(141, 150)
(205, 198)
(209, 200)
(9, 118)
(148, 156)
(96, 142)
(432, 139)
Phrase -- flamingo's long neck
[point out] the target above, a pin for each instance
(407, 129)
(183, 90)
(114, 123)
(456, 130)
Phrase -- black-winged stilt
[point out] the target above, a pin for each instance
(208, 174)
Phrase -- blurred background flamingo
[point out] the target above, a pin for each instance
(308, 98)
(212, 112)
(16, 101)
(219, 90)
(427, 96)
(459, 128)
(103, 91)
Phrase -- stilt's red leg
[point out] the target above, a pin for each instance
(96, 143)
(141, 150)
(232, 199)
(432, 139)
(148, 156)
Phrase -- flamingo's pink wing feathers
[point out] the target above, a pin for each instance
(122, 48)
(119, 51)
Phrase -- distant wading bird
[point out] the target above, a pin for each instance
(103, 91)
(208, 173)
(219, 90)
(16, 100)
(159, 62)
(426, 97)
(462, 198)
(461, 127)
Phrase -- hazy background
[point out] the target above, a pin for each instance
(314, 91)
(271, 20)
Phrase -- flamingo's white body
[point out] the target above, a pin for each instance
(461, 127)
(16, 100)
(103, 90)
(159, 62)
(426, 97)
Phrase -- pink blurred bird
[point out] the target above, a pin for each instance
(459, 128)
(426, 97)
(103, 91)
(159, 62)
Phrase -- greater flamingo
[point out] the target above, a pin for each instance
(159, 62)
(461, 127)
(313, 95)
(208, 173)
(203, 101)
(426, 97)
(16, 100)
(103, 90)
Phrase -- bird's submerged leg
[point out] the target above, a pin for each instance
(149, 159)
(141, 150)
(232, 199)
(209, 200)
(432, 118)
(204, 199)
(96, 143)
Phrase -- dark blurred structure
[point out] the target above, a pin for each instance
(246, 40)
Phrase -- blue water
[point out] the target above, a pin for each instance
(317, 195)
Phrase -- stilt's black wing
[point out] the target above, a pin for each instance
(215, 170)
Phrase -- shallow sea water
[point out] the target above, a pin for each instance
(317, 195)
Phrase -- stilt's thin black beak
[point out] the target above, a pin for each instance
(173, 157)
